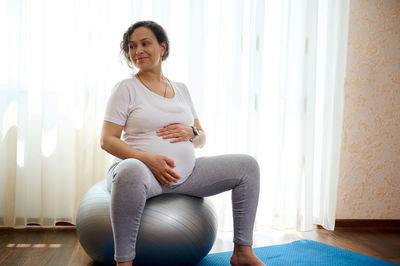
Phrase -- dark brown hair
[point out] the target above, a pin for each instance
(157, 30)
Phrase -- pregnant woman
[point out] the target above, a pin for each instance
(155, 155)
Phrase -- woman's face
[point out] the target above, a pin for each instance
(144, 50)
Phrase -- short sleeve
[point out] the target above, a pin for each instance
(119, 104)
(189, 100)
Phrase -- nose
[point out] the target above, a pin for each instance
(139, 49)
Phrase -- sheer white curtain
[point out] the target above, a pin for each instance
(266, 78)
(58, 60)
(300, 111)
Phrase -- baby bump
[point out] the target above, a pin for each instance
(182, 153)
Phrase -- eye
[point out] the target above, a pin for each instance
(131, 46)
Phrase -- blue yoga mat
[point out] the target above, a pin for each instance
(301, 252)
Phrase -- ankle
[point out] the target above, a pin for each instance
(242, 248)
(125, 263)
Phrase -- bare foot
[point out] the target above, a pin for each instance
(244, 256)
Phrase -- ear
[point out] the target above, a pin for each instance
(163, 47)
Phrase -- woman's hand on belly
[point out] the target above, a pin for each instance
(161, 167)
(176, 132)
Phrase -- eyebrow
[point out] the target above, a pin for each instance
(146, 38)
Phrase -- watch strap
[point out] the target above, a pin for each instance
(196, 133)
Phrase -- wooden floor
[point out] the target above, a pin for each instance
(60, 246)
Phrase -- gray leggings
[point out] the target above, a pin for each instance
(132, 183)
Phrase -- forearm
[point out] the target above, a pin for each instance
(200, 141)
(115, 146)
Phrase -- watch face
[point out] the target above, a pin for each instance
(196, 131)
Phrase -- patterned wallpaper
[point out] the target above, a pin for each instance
(369, 182)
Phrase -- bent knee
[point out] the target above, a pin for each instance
(250, 164)
(130, 171)
(250, 169)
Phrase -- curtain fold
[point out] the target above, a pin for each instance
(331, 69)
(266, 78)
(302, 95)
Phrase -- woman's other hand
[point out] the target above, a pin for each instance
(176, 132)
(161, 167)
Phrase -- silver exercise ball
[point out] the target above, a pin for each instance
(175, 229)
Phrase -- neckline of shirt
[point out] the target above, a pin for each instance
(155, 94)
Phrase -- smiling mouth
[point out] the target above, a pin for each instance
(140, 59)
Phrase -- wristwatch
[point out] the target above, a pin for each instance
(196, 133)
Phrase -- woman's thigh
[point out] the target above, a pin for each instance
(215, 174)
(131, 175)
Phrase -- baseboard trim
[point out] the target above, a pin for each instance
(37, 227)
(368, 223)
(339, 224)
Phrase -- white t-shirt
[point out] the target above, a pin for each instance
(142, 112)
